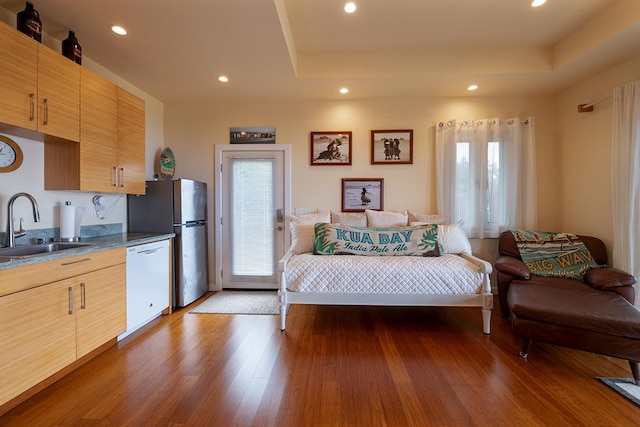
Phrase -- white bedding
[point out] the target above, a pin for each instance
(444, 275)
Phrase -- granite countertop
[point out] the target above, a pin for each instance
(95, 244)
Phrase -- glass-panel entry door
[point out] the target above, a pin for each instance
(252, 219)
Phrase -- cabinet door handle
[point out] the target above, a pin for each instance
(75, 262)
(45, 120)
(32, 105)
(115, 176)
(83, 296)
(71, 300)
(122, 177)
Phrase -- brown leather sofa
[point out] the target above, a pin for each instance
(595, 315)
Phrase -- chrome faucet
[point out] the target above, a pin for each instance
(10, 235)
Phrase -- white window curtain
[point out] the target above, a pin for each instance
(626, 177)
(485, 172)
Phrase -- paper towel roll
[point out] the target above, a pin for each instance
(67, 221)
(79, 213)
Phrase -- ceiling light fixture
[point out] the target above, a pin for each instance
(536, 3)
(118, 30)
(344, 90)
(472, 87)
(350, 7)
(223, 79)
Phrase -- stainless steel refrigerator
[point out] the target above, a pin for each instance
(180, 207)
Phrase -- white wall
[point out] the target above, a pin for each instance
(585, 138)
(193, 129)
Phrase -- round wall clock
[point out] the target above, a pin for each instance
(10, 155)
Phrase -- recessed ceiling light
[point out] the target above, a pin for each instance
(472, 87)
(118, 30)
(536, 3)
(344, 90)
(223, 79)
(350, 7)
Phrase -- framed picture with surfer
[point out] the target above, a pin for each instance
(359, 194)
(331, 148)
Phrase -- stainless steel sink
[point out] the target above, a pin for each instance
(34, 250)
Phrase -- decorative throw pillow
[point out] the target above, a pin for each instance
(302, 236)
(453, 239)
(427, 218)
(356, 219)
(386, 218)
(336, 239)
(310, 218)
(302, 233)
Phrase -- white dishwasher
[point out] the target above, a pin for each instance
(148, 283)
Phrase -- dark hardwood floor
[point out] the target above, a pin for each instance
(334, 366)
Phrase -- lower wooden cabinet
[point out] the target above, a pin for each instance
(47, 327)
(38, 337)
(100, 307)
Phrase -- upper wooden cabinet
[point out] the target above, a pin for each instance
(18, 78)
(98, 133)
(131, 143)
(94, 131)
(40, 88)
(58, 95)
(110, 157)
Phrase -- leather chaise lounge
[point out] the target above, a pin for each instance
(595, 314)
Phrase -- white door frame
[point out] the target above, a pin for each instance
(218, 161)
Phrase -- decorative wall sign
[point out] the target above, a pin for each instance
(391, 147)
(167, 163)
(331, 148)
(252, 135)
(359, 194)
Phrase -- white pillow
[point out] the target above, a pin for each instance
(302, 238)
(310, 218)
(379, 219)
(427, 218)
(353, 219)
(453, 239)
(302, 232)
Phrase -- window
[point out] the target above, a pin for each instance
(482, 168)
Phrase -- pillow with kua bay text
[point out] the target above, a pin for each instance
(336, 239)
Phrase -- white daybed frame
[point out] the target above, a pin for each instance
(483, 299)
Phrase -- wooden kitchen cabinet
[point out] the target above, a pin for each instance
(98, 133)
(58, 95)
(38, 337)
(40, 88)
(101, 311)
(48, 324)
(131, 143)
(110, 157)
(18, 78)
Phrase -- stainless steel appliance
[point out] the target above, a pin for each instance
(178, 206)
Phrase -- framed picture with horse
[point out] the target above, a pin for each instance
(391, 147)
(331, 148)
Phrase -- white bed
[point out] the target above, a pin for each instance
(456, 278)
(449, 280)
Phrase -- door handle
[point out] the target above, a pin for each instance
(280, 215)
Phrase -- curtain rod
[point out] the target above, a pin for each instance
(588, 107)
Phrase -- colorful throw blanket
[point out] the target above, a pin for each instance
(336, 239)
(554, 254)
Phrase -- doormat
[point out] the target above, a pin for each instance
(240, 302)
(624, 386)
